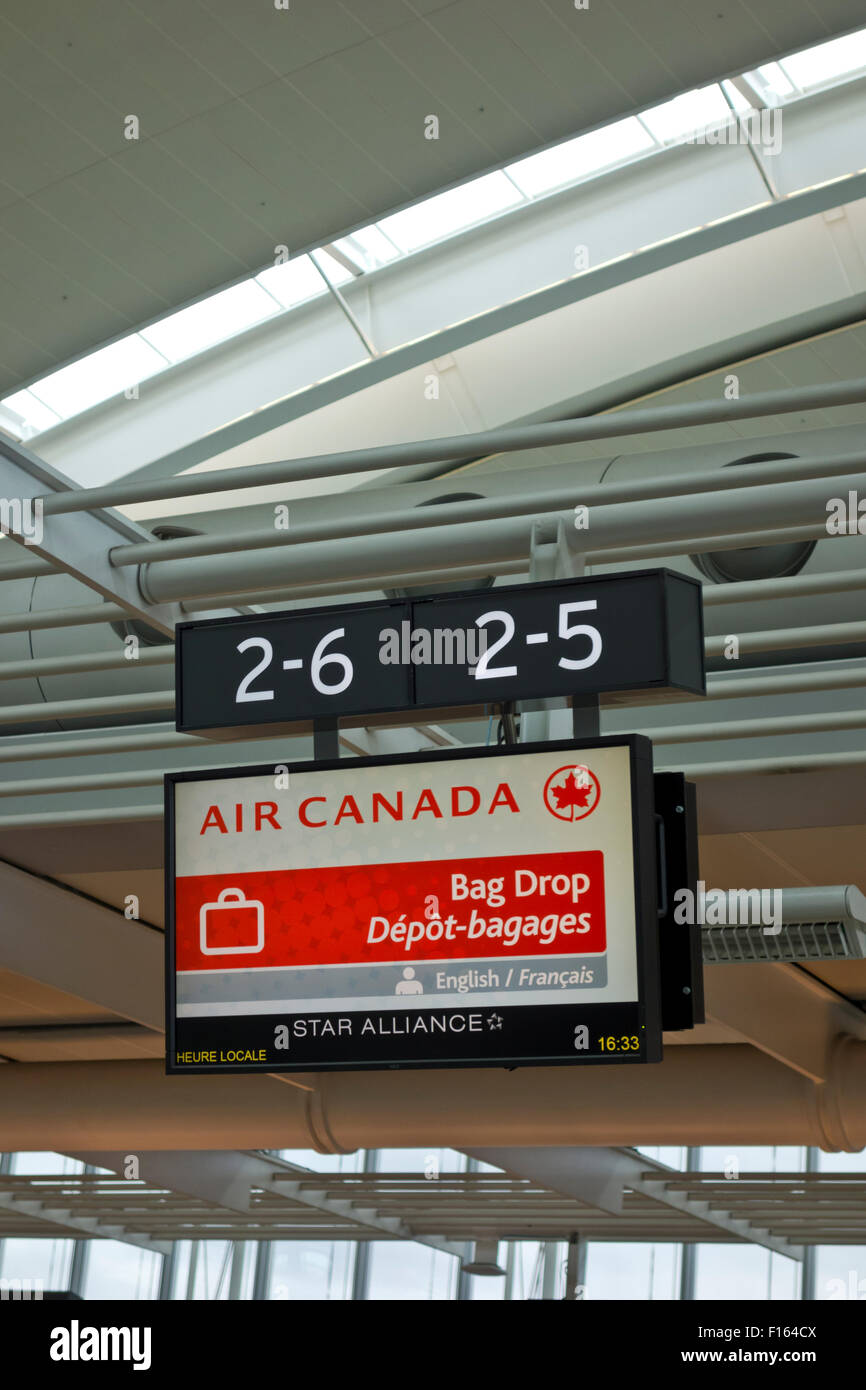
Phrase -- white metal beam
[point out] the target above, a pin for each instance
(78, 545)
(226, 1178)
(77, 1225)
(598, 1177)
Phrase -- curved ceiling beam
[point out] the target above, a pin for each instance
(680, 289)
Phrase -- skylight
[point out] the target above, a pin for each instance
(692, 111)
(446, 213)
(773, 81)
(740, 102)
(369, 248)
(279, 288)
(24, 414)
(575, 159)
(211, 321)
(336, 272)
(828, 62)
(293, 282)
(98, 376)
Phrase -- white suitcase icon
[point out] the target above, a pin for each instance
(231, 899)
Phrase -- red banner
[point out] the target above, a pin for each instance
(539, 904)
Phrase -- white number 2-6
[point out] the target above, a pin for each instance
(320, 659)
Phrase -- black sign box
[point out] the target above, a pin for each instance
(682, 966)
(637, 631)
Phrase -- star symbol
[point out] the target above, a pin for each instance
(494, 1021)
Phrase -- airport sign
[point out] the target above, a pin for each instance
(477, 907)
(638, 631)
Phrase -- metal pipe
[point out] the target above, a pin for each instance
(82, 746)
(415, 579)
(63, 617)
(820, 635)
(729, 687)
(444, 571)
(710, 1094)
(697, 545)
(91, 661)
(796, 586)
(751, 767)
(736, 686)
(779, 727)
(101, 781)
(609, 425)
(828, 634)
(669, 520)
(87, 709)
(26, 569)
(39, 820)
(491, 508)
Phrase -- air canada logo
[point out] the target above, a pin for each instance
(571, 793)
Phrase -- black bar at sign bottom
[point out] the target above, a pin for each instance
(481, 1035)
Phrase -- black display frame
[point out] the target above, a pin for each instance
(646, 1007)
(680, 607)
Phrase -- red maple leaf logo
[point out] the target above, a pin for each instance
(572, 794)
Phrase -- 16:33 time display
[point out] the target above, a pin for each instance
(625, 1042)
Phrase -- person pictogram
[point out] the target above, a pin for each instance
(408, 984)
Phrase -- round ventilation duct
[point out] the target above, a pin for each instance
(444, 587)
(754, 562)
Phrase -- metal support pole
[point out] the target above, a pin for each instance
(549, 1270)
(78, 1267)
(193, 1269)
(167, 1274)
(464, 1280)
(809, 1267)
(575, 1269)
(750, 145)
(344, 308)
(361, 1272)
(585, 716)
(80, 1255)
(5, 1167)
(326, 739)
(510, 1266)
(688, 1268)
(262, 1276)
(236, 1275)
